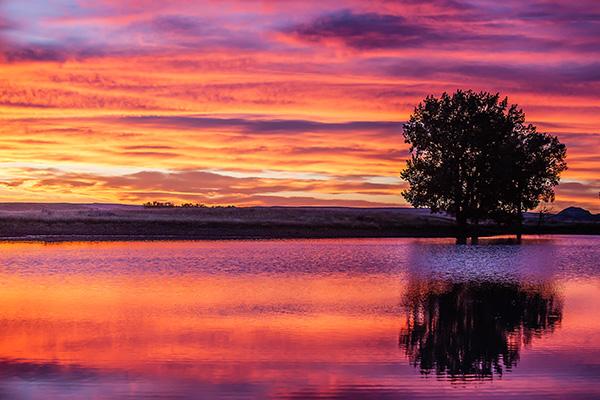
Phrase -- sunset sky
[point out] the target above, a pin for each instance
(282, 102)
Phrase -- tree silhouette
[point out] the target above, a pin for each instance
(474, 157)
(470, 330)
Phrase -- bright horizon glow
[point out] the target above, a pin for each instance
(273, 102)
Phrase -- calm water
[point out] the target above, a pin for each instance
(362, 318)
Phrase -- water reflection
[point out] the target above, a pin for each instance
(475, 329)
(299, 319)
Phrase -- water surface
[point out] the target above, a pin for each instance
(362, 318)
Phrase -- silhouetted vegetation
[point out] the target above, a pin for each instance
(474, 329)
(159, 204)
(474, 157)
(168, 204)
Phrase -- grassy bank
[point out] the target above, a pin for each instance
(118, 222)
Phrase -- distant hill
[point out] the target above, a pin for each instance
(575, 214)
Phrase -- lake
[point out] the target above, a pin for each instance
(351, 318)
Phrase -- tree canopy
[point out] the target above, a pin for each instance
(475, 157)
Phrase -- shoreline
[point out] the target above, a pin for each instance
(71, 238)
(98, 222)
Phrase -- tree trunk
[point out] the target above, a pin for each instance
(475, 232)
(519, 230)
(461, 236)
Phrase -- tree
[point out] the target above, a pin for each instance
(544, 209)
(474, 157)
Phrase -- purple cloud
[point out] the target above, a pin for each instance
(363, 31)
(270, 126)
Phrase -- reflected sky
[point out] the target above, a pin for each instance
(300, 319)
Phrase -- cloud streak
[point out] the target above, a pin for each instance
(204, 187)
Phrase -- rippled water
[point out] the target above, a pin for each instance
(382, 318)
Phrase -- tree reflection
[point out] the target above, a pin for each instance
(471, 330)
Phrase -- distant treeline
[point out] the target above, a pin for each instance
(168, 204)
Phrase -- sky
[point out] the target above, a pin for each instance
(285, 102)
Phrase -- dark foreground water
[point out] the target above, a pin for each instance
(385, 318)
